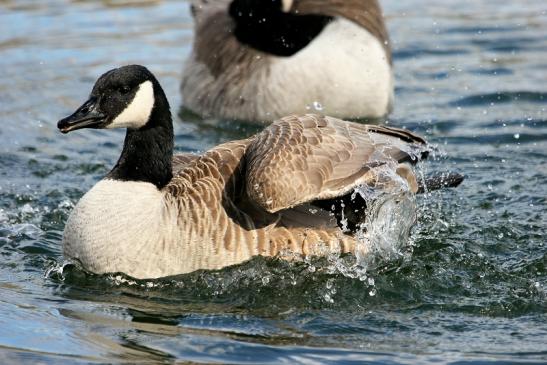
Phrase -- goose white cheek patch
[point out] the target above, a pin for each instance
(286, 5)
(136, 114)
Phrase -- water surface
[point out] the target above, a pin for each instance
(470, 287)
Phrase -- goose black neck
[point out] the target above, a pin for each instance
(148, 152)
(263, 26)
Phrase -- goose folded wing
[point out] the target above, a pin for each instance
(182, 160)
(301, 159)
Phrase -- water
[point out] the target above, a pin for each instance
(470, 287)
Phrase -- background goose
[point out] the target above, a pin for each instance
(261, 60)
(156, 215)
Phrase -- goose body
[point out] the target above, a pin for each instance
(195, 222)
(158, 215)
(344, 71)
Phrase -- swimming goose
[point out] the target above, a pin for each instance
(261, 60)
(155, 214)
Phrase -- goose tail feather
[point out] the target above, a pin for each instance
(439, 181)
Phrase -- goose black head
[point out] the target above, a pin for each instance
(131, 97)
(121, 98)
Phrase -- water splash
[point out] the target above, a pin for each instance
(56, 270)
(390, 218)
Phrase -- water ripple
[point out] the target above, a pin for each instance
(501, 97)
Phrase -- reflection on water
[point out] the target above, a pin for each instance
(470, 285)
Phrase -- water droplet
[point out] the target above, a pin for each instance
(65, 204)
(516, 135)
(27, 209)
(317, 106)
(3, 216)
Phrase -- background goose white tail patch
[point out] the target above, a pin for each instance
(136, 114)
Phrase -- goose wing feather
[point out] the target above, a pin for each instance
(182, 160)
(302, 159)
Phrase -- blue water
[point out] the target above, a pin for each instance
(469, 287)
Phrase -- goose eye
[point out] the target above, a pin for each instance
(124, 89)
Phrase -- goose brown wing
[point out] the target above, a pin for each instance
(302, 159)
(182, 160)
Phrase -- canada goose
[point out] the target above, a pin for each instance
(155, 214)
(261, 60)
